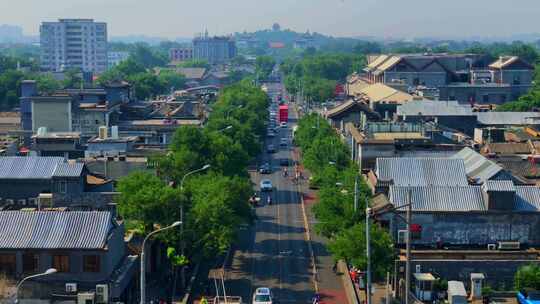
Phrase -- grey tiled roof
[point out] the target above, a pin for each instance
(499, 185)
(527, 198)
(434, 108)
(439, 198)
(508, 118)
(37, 167)
(54, 230)
(68, 170)
(460, 198)
(477, 166)
(421, 171)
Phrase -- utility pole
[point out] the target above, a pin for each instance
(368, 258)
(408, 254)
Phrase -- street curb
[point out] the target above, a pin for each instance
(350, 289)
(308, 238)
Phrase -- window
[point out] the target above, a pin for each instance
(30, 262)
(7, 264)
(91, 263)
(61, 262)
(62, 186)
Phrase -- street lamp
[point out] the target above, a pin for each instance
(205, 167)
(230, 110)
(225, 129)
(143, 266)
(47, 272)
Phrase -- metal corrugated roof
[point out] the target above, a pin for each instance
(421, 171)
(439, 198)
(37, 167)
(54, 230)
(499, 185)
(68, 170)
(477, 166)
(28, 167)
(527, 198)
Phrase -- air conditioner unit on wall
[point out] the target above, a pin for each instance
(71, 287)
(418, 268)
(86, 298)
(491, 247)
(102, 294)
(509, 245)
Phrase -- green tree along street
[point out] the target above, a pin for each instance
(212, 216)
(328, 159)
(528, 277)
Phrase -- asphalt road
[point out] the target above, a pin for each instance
(274, 252)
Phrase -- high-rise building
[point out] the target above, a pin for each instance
(74, 43)
(214, 49)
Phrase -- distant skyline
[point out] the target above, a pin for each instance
(348, 18)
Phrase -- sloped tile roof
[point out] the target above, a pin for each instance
(54, 230)
(477, 166)
(439, 198)
(37, 167)
(421, 171)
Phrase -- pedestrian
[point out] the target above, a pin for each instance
(203, 301)
(353, 274)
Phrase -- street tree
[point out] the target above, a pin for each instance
(350, 245)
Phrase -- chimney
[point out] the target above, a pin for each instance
(499, 195)
(102, 132)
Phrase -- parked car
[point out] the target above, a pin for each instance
(283, 142)
(263, 295)
(271, 133)
(283, 124)
(265, 169)
(271, 149)
(266, 185)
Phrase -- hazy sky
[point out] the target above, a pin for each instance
(382, 18)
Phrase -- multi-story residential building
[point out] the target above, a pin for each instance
(214, 49)
(181, 54)
(74, 43)
(115, 58)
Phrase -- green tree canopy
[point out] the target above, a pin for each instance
(528, 277)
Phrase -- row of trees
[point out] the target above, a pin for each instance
(319, 73)
(329, 161)
(211, 215)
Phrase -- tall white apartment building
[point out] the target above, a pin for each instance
(74, 43)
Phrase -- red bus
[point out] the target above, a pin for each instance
(283, 113)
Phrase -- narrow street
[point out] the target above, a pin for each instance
(274, 252)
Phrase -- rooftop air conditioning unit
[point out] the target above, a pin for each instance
(86, 298)
(418, 268)
(71, 287)
(102, 294)
(491, 247)
(402, 236)
(509, 245)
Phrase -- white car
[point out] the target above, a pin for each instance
(266, 185)
(283, 124)
(262, 295)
